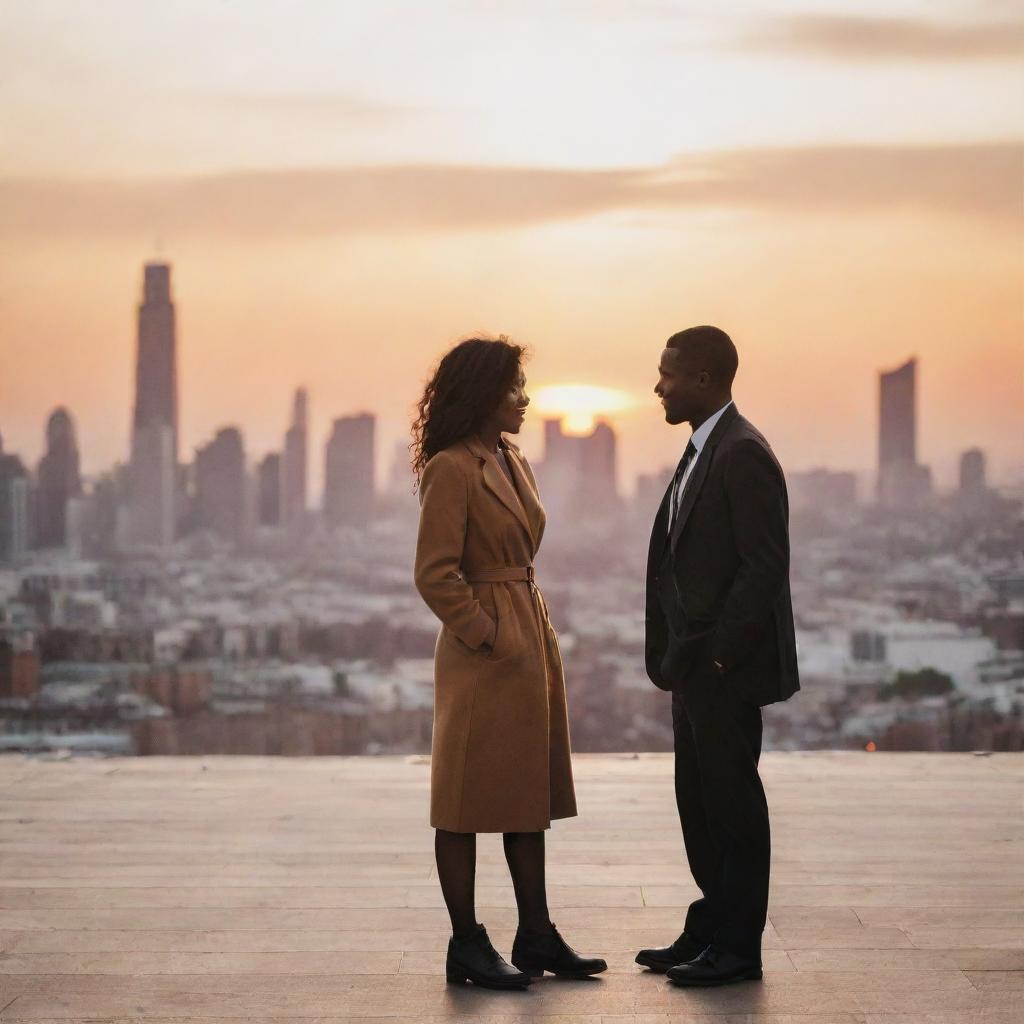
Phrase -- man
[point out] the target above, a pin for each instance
(719, 636)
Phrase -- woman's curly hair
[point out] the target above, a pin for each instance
(468, 385)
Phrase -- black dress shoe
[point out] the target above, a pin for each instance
(715, 966)
(659, 960)
(537, 952)
(473, 958)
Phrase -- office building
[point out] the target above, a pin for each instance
(57, 481)
(15, 496)
(902, 481)
(268, 490)
(578, 475)
(349, 471)
(221, 485)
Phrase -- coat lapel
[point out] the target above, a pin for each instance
(498, 483)
(529, 498)
(700, 472)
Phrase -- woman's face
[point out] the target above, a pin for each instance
(512, 410)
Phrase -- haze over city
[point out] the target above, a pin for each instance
(838, 206)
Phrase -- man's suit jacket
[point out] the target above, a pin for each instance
(718, 588)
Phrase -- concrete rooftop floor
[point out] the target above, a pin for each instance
(299, 889)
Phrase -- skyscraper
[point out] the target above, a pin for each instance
(104, 516)
(221, 485)
(902, 480)
(972, 472)
(57, 481)
(578, 477)
(153, 462)
(598, 466)
(156, 370)
(293, 462)
(897, 415)
(348, 471)
(14, 505)
(268, 489)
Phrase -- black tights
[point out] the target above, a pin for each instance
(456, 868)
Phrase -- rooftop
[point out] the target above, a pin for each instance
(252, 888)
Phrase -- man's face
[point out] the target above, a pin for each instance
(681, 387)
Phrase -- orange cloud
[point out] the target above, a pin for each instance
(875, 39)
(981, 180)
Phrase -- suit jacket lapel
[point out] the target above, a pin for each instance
(700, 472)
(498, 483)
(659, 532)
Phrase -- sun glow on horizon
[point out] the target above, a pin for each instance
(579, 405)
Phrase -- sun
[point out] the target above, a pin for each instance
(578, 405)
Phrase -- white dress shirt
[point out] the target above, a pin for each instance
(698, 440)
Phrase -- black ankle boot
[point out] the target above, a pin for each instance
(536, 952)
(473, 958)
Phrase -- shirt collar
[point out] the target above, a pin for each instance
(703, 432)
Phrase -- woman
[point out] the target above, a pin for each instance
(500, 754)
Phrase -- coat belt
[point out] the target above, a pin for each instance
(516, 574)
(508, 574)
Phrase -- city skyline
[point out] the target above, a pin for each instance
(154, 498)
(573, 411)
(838, 189)
(641, 415)
(895, 445)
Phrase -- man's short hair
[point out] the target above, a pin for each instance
(711, 348)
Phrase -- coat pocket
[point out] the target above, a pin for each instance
(486, 594)
(496, 613)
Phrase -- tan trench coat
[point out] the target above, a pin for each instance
(500, 753)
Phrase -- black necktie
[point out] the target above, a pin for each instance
(676, 497)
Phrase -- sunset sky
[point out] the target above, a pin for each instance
(346, 188)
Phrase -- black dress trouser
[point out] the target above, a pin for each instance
(723, 811)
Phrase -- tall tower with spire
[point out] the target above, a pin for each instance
(156, 364)
(153, 461)
(293, 462)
